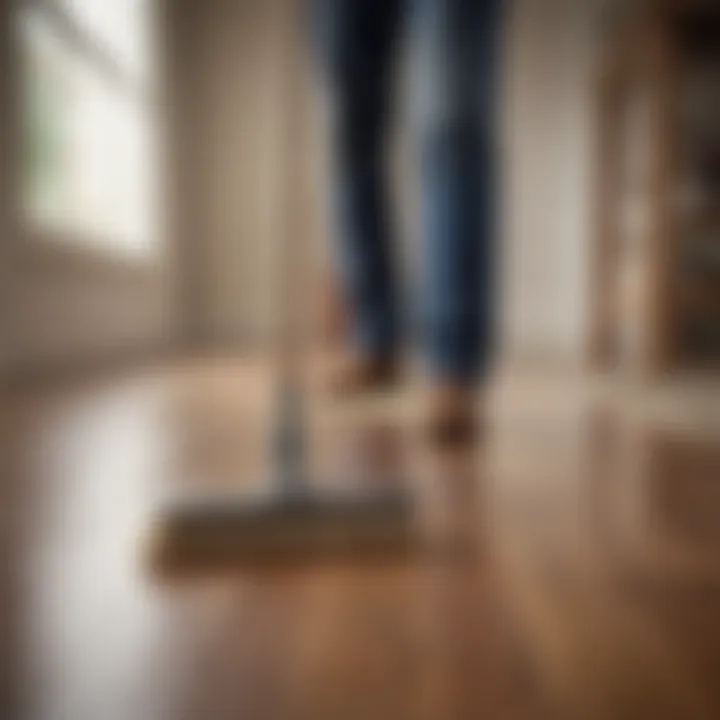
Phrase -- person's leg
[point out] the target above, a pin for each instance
(357, 40)
(458, 42)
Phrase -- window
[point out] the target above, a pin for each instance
(89, 159)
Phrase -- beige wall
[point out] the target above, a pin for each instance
(228, 108)
(232, 55)
(233, 121)
(6, 184)
(69, 306)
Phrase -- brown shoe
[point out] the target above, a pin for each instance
(451, 416)
(357, 374)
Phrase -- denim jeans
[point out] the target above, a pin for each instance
(454, 43)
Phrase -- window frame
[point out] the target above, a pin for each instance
(84, 249)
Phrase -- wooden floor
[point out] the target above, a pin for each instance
(579, 575)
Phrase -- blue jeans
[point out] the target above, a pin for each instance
(454, 43)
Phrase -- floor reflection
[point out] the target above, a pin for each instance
(607, 548)
(573, 564)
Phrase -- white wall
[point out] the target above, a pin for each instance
(548, 143)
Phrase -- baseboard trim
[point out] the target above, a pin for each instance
(90, 366)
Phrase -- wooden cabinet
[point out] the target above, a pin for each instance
(656, 283)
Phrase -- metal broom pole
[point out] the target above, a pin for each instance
(293, 258)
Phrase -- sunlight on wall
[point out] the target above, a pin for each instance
(89, 151)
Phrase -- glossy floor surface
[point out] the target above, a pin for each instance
(571, 569)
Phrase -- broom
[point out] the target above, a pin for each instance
(295, 522)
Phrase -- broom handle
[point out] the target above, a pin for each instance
(293, 258)
(291, 243)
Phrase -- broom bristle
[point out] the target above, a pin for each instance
(313, 528)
